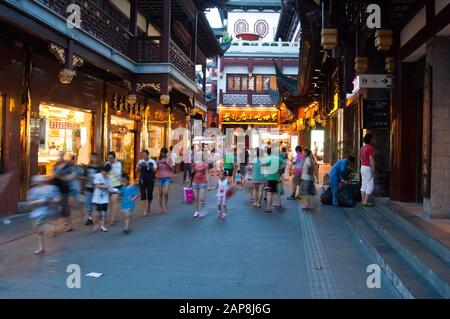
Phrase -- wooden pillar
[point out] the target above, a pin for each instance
(204, 77)
(166, 36)
(165, 43)
(133, 29)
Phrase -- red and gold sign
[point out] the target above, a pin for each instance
(249, 116)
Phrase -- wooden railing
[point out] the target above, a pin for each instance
(97, 22)
(149, 49)
(181, 61)
(109, 26)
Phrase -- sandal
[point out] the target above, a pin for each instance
(39, 251)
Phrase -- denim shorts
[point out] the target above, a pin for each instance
(199, 186)
(164, 181)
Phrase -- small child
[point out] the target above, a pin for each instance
(129, 194)
(238, 178)
(43, 199)
(222, 188)
(103, 186)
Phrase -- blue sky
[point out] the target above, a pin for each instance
(214, 18)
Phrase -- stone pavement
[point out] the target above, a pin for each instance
(292, 254)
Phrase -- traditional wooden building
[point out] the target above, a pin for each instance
(96, 75)
(389, 79)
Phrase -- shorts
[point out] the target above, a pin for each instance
(164, 181)
(101, 209)
(307, 188)
(272, 186)
(146, 188)
(367, 180)
(127, 211)
(199, 186)
(222, 200)
(228, 172)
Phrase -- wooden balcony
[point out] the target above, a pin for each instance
(106, 24)
(150, 51)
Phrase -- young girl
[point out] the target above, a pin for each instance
(129, 194)
(308, 189)
(164, 175)
(103, 186)
(222, 188)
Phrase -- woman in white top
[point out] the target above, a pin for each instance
(100, 198)
(115, 174)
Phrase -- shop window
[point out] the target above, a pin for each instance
(63, 129)
(122, 141)
(258, 83)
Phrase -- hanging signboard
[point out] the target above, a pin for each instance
(373, 81)
(376, 114)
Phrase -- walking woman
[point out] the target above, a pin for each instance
(146, 169)
(199, 184)
(308, 189)
(257, 180)
(164, 175)
(115, 174)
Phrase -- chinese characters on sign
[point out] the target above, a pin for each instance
(249, 117)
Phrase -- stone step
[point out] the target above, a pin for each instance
(408, 281)
(431, 236)
(432, 267)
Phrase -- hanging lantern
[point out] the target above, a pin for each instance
(361, 65)
(329, 38)
(164, 99)
(66, 76)
(312, 123)
(383, 39)
(389, 65)
(131, 99)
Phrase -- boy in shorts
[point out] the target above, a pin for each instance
(129, 194)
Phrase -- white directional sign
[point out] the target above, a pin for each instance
(373, 81)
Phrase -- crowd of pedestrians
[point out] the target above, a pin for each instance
(107, 191)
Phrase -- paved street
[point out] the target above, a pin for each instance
(253, 254)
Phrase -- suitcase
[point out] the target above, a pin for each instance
(188, 195)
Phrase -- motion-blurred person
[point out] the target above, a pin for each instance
(44, 200)
(91, 170)
(63, 175)
(257, 180)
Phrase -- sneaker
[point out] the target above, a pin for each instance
(196, 214)
(89, 221)
(224, 216)
(104, 229)
(291, 197)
